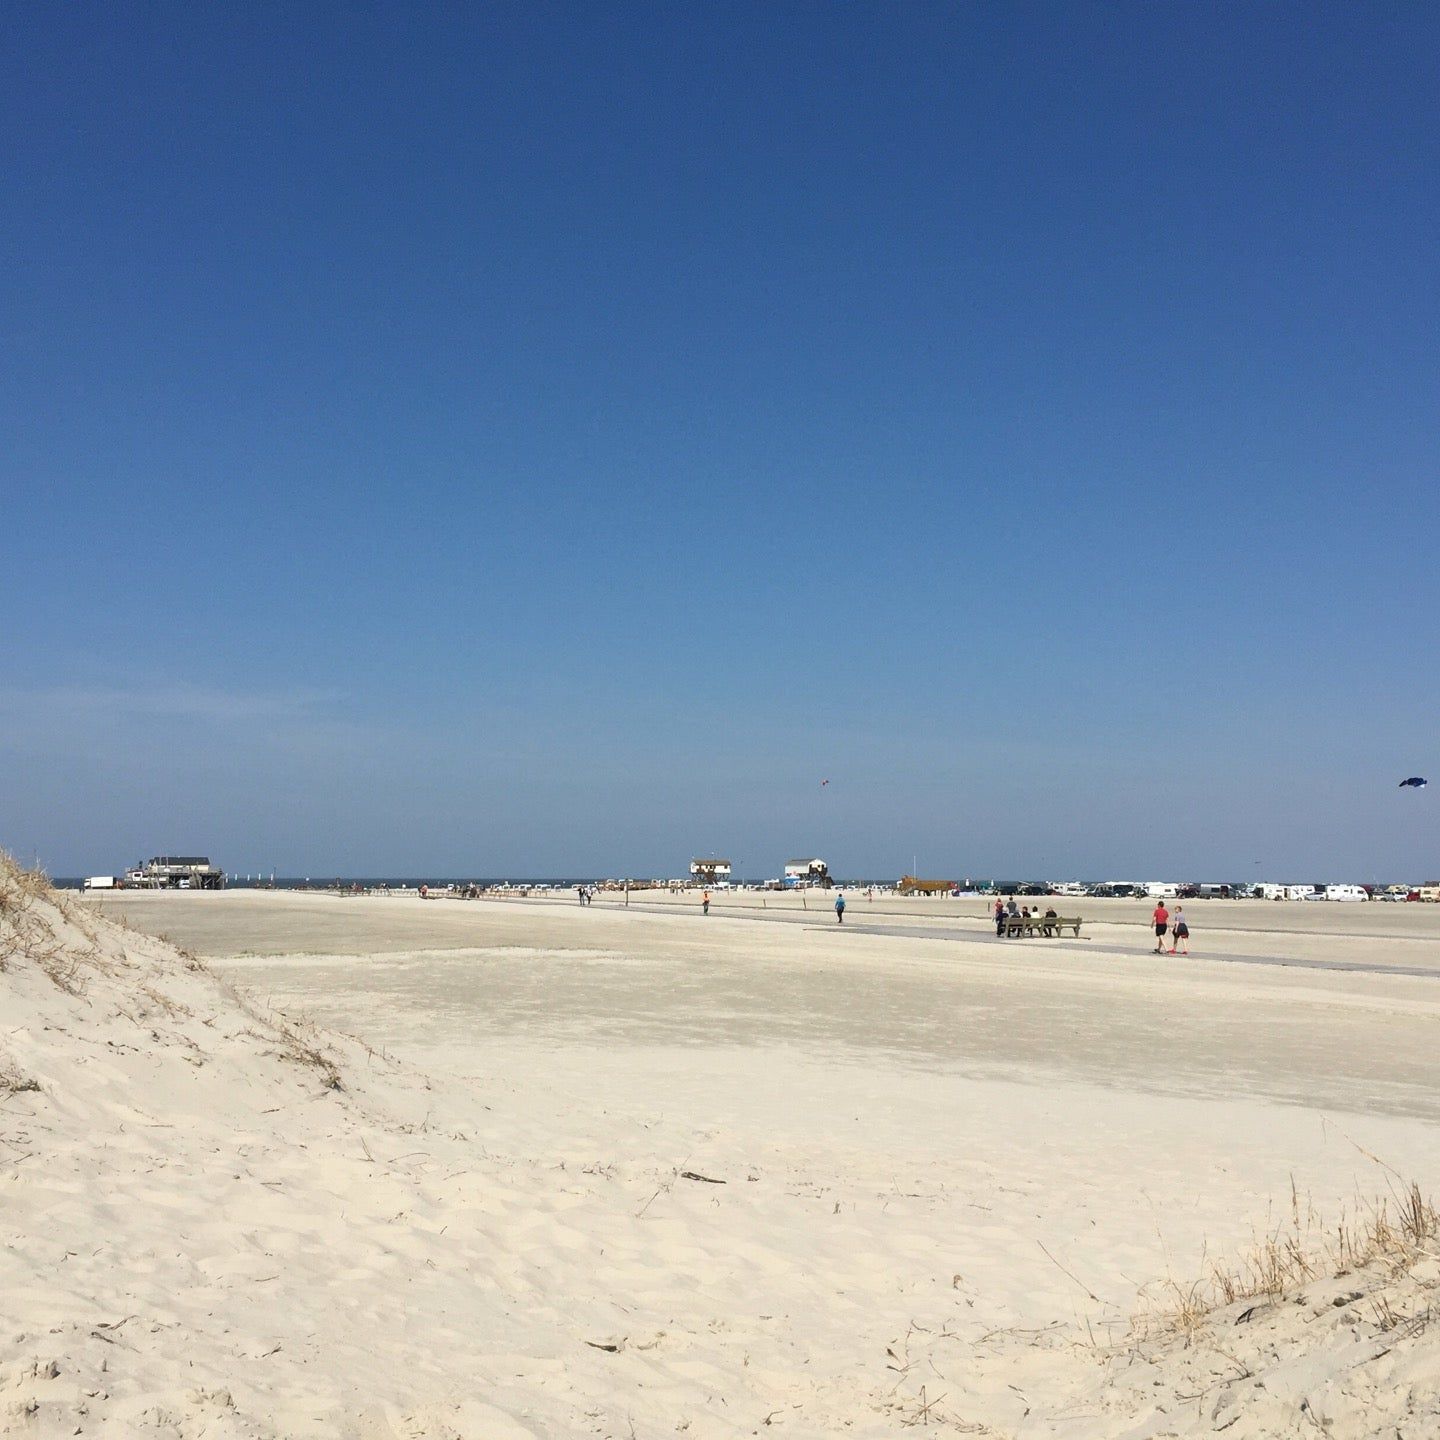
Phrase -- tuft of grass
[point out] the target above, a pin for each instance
(12, 1082)
(192, 961)
(306, 1052)
(172, 1007)
(294, 1040)
(1393, 1233)
(25, 930)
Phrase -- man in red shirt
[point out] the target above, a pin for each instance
(1161, 917)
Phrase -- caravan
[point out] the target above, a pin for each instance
(1346, 892)
(1160, 890)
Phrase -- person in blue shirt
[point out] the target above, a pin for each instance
(840, 909)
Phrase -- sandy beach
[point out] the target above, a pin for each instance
(539, 1170)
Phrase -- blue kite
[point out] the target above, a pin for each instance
(1415, 782)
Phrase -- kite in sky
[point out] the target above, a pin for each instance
(824, 783)
(1415, 782)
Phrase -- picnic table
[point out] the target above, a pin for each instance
(1051, 925)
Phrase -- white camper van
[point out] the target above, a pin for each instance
(1267, 891)
(1301, 892)
(1346, 892)
(1159, 890)
(100, 882)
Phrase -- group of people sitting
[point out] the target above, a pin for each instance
(1005, 913)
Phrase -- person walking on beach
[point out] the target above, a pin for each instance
(840, 909)
(1161, 919)
(999, 916)
(1180, 932)
(705, 902)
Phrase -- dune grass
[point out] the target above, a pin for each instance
(28, 904)
(1387, 1236)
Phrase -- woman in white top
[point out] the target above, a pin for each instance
(1180, 931)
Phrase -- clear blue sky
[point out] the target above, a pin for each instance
(552, 439)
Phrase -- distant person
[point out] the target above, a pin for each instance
(1012, 909)
(705, 902)
(580, 893)
(1180, 932)
(1050, 918)
(840, 909)
(999, 916)
(1161, 921)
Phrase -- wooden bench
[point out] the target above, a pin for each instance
(1026, 925)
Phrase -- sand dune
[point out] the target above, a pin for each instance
(611, 1175)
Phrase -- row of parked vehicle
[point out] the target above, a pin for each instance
(1164, 890)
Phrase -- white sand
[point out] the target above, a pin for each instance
(953, 1170)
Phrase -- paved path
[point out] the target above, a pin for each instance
(976, 932)
(1358, 967)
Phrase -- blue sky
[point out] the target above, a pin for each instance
(551, 439)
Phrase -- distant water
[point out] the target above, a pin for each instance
(329, 882)
(395, 882)
(413, 882)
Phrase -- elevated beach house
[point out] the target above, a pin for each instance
(175, 872)
(710, 872)
(807, 872)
